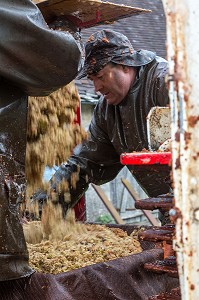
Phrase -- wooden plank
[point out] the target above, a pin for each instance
(124, 201)
(108, 204)
(87, 13)
(135, 196)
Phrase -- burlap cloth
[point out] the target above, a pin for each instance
(123, 279)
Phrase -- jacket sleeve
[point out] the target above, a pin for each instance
(37, 59)
(96, 159)
(158, 83)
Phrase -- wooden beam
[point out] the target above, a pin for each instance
(136, 197)
(108, 204)
(87, 13)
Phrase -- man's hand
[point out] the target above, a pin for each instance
(63, 24)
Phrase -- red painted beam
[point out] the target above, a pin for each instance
(146, 158)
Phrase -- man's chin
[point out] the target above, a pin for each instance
(112, 102)
(109, 100)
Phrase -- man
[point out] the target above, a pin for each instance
(131, 82)
(35, 60)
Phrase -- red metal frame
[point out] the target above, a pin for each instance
(80, 207)
(145, 158)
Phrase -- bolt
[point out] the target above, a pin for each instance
(196, 214)
(172, 212)
(193, 181)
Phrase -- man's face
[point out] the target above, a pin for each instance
(113, 82)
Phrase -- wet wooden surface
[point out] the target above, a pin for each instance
(87, 13)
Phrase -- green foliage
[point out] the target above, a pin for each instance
(105, 219)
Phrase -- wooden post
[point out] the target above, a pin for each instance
(108, 204)
(135, 196)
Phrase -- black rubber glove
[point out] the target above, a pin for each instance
(64, 173)
(63, 24)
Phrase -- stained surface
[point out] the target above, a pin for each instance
(123, 278)
(89, 13)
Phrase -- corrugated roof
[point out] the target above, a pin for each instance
(146, 31)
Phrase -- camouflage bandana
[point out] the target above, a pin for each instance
(107, 46)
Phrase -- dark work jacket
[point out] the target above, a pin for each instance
(37, 59)
(118, 129)
(34, 60)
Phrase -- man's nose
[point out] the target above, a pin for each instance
(98, 85)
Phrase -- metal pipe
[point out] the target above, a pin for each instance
(183, 44)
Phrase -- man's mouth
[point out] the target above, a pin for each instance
(106, 94)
